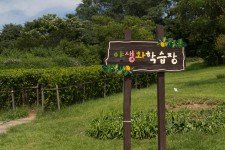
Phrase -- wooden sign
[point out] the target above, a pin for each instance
(146, 56)
(149, 56)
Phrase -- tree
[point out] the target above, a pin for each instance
(104, 29)
(199, 23)
(49, 30)
(9, 35)
(117, 9)
(86, 10)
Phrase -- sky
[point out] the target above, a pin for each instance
(20, 11)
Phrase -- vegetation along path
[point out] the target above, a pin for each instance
(4, 126)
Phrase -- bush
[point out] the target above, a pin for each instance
(36, 58)
(86, 54)
(65, 61)
(77, 84)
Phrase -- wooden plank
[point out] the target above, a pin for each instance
(127, 105)
(161, 111)
(104, 89)
(84, 88)
(146, 56)
(23, 97)
(37, 92)
(13, 100)
(42, 98)
(161, 108)
(57, 95)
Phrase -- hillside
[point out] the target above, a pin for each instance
(66, 129)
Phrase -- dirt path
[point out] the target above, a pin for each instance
(191, 106)
(6, 125)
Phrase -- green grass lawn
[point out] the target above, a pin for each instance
(65, 129)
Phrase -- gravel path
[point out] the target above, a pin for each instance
(4, 126)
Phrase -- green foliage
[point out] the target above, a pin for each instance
(117, 9)
(105, 29)
(144, 125)
(86, 10)
(171, 43)
(119, 69)
(85, 41)
(85, 54)
(85, 34)
(9, 35)
(220, 44)
(38, 58)
(10, 114)
(200, 23)
(81, 83)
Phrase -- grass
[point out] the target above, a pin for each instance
(10, 114)
(66, 129)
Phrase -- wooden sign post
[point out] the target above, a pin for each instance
(127, 105)
(161, 106)
(146, 56)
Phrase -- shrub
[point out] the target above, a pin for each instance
(86, 54)
(65, 61)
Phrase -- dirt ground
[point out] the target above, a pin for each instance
(4, 126)
(192, 106)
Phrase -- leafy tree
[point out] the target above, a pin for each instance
(105, 29)
(85, 54)
(87, 9)
(200, 23)
(49, 30)
(9, 35)
(117, 9)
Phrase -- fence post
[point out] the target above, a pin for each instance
(23, 97)
(104, 92)
(37, 90)
(42, 97)
(57, 95)
(84, 93)
(26, 97)
(13, 100)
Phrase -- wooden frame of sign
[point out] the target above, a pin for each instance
(145, 56)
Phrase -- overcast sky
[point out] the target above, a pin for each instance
(20, 11)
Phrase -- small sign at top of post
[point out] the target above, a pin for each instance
(149, 56)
